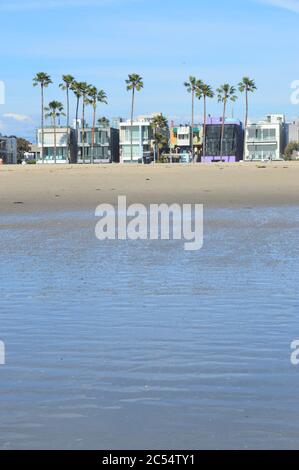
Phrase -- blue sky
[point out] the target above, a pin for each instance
(101, 41)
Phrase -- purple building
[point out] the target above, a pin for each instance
(232, 149)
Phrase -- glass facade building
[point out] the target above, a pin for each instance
(8, 150)
(105, 148)
(232, 146)
(142, 138)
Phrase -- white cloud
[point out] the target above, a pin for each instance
(16, 117)
(18, 5)
(291, 5)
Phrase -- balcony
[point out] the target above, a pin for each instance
(257, 141)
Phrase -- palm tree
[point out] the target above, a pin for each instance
(43, 80)
(226, 93)
(67, 81)
(207, 92)
(54, 111)
(248, 86)
(159, 125)
(134, 83)
(75, 87)
(103, 121)
(84, 90)
(96, 96)
(160, 141)
(193, 87)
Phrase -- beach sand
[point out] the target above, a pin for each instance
(75, 187)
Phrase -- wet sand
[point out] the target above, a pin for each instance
(76, 187)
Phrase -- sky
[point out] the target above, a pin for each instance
(102, 41)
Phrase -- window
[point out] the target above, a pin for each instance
(135, 133)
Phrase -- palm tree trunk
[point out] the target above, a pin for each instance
(132, 120)
(68, 125)
(77, 113)
(42, 121)
(204, 125)
(155, 145)
(77, 131)
(93, 133)
(246, 115)
(222, 130)
(83, 130)
(55, 141)
(246, 123)
(192, 126)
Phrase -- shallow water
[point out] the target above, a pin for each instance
(143, 345)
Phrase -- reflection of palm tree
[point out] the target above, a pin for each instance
(67, 81)
(226, 93)
(43, 80)
(193, 87)
(54, 111)
(207, 92)
(159, 124)
(134, 83)
(96, 96)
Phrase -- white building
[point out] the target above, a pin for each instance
(142, 134)
(105, 147)
(61, 145)
(265, 140)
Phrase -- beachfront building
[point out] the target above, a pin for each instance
(292, 132)
(143, 137)
(232, 147)
(104, 150)
(33, 154)
(8, 150)
(180, 140)
(62, 153)
(266, 140)
(105, 147)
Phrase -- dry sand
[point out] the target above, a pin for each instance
(74, 187)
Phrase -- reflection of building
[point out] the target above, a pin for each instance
(8, 149)
(232, 147)
(142, 134)
(180, 139)
(265, 140)
(105, 148)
